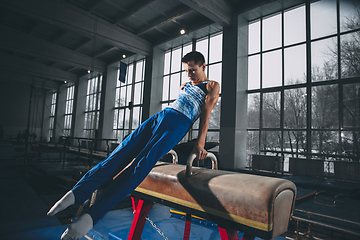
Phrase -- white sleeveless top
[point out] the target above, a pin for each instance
(190, 101)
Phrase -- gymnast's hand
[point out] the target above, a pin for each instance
(200, 152)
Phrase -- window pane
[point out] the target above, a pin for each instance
(195, 134)
(214, 121)
(295, 65)
(130, 72)
(295, 141)
(138, 93)
(295, 108)
(271, 75)
(121, 119)
(120, 136)
(324, 60)
(128, 94)
(272, 32)
(116, 115)
(253, 142)
(325, 107)
(294, 26)
(254, 72)
(350, 143)
(164, 105)
(100, 83)
(167, 63)
(139, 71)
(122, 96)
(165, 95)
(136, 117)
(174, 86)
(325, 142)
(196, 124)
(254, 37)
(126, 118)
(176, 60)
(350, 50)
(215, 72)
(323, 18)
(213, 137)
(270, 141)
(202, 46)
(349, 15)
(271, 110)
(117, 97)
(253, 111)
(187, 49)
(215, 48)
(184, 77)
(351, 105)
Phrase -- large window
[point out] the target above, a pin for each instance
(69, 102)
(52, 114)
(129, 100)
(92, 107)
(175, 76)
(303, 82)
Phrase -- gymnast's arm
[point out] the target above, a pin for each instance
(211, 99)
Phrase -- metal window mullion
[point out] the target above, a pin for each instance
(132, 97)
(340, 89)
(282, 93)
(308, 79)
(170, 74)
(261, 77)
(208, 56)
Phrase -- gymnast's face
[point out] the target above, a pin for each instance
(195, 72)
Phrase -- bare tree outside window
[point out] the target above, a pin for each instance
(280, 121)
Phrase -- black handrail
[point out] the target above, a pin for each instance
(93, 140)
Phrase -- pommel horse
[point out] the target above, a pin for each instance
(256, 205)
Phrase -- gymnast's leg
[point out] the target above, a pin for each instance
(166, 135)
(107, 169)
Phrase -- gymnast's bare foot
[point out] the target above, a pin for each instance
(79, 228)
(67, 200)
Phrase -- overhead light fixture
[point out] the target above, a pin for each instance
(182, 31)
(124, 56)
(89, 71)
(65, 82)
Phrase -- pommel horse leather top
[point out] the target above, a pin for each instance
(258, 205)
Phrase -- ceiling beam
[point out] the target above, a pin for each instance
(104, 51)
(95, 5)
(75, 19)
(137, 6)
(81, 44)
(19, 78)
(10, 62)
(216, 10)
(170, 17)
(20, 42)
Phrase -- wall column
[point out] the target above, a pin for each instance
(153, 83)
(233, 124)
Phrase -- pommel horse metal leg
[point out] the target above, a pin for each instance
(141, 209)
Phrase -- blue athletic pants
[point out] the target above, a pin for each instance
(147, 144)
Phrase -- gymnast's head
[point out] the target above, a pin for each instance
(195, 56)
(194, 66)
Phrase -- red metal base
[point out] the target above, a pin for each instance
(187, 227)
(228, 234)
(231, 234)
(141, 209)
